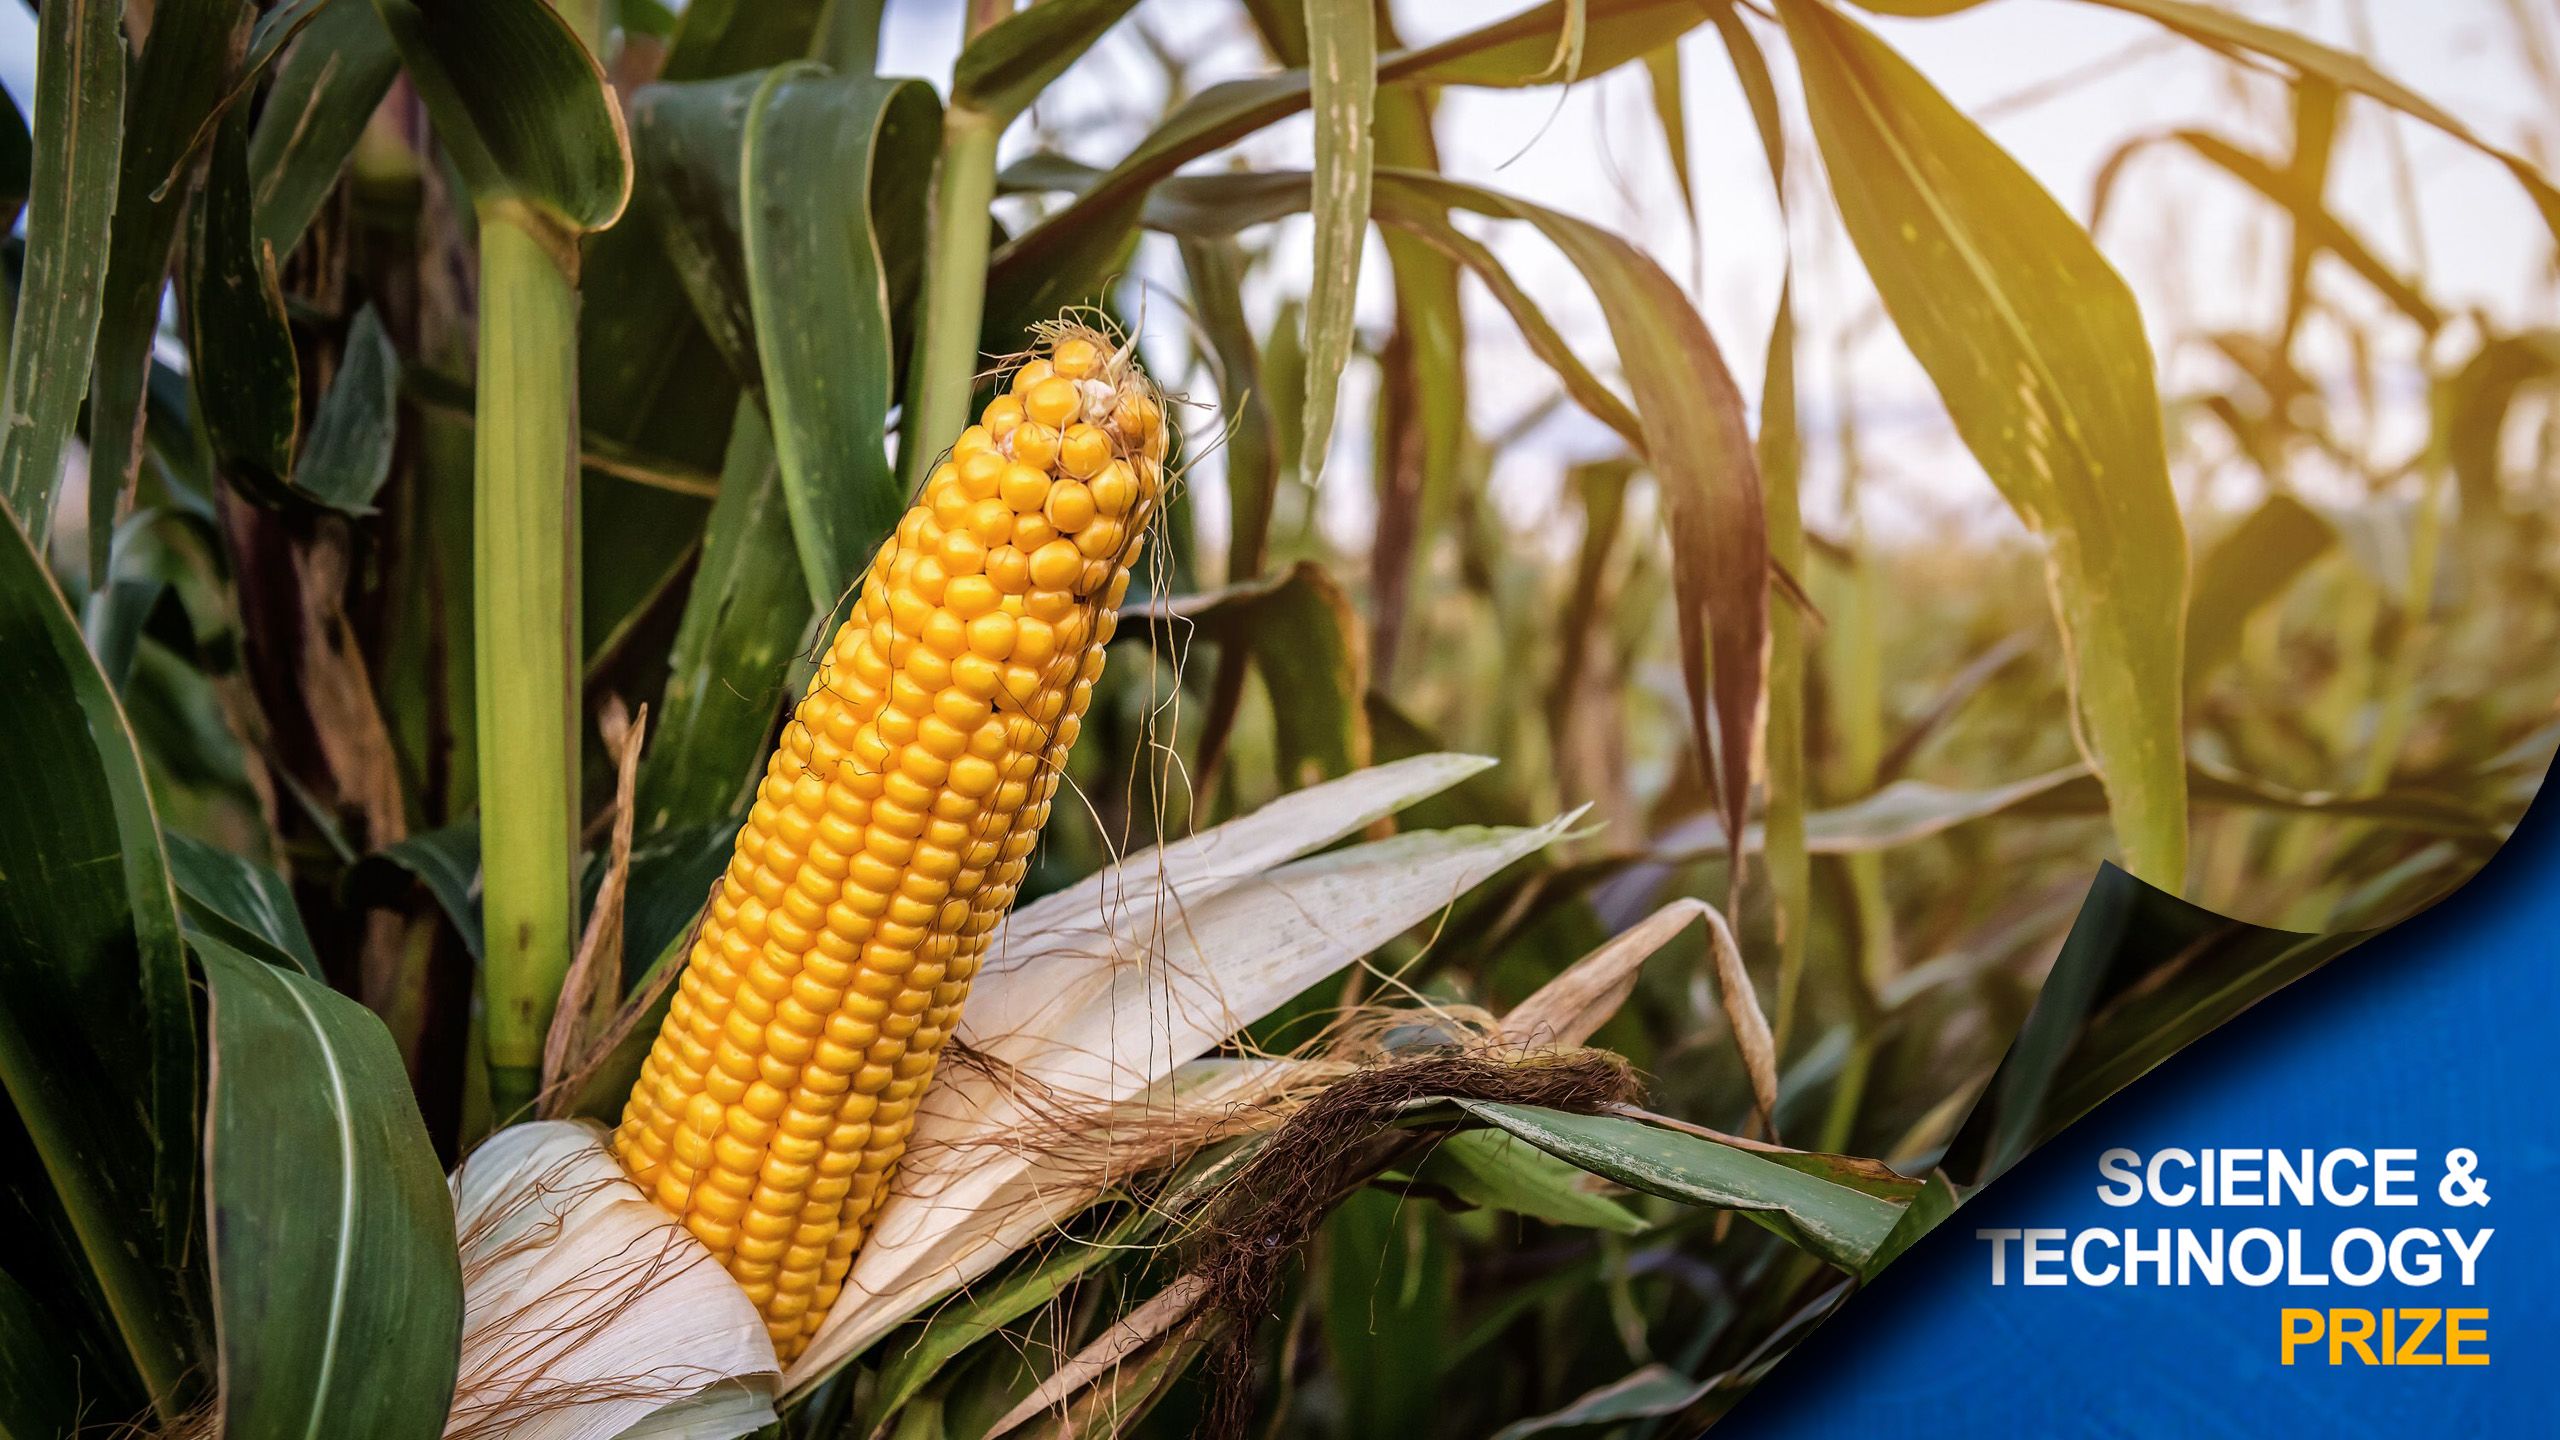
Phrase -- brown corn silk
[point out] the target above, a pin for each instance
(890, 833)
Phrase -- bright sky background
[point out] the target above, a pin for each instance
(2200, 252)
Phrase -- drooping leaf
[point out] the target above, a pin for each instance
(337, 1290)
(71, 198)
(327, 88)
(2037, 347)
(2315, 224)
(818, 146)
(1491, 1169)
(519, 104)
(1057, 260)
(239, 903)
(1688, 415)
(1841, 1226)
(347, 456)
(1342, 40)
(1002, 70)
(447, 862)
(97, 1044)
(2237, 35)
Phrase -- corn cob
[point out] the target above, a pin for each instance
(890, 833)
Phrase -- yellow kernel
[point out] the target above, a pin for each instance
(1115, 489)
(1001, 415)
(976, 676)
(1035, 445)
(1053, 401)
(1099, 540)
(1084, 452)
(980, 474)
(990, 635)
(972, 776)
(1024, 489)
(945, 634)
(1034, 641)
(1029, 377)
(970, 596)
(1030, 532)
(991, 520)
(1070, 506)
(963, 553)
(1075, 357)
(1009, 569)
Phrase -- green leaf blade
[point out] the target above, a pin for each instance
(1843, 1227)
(1343, 92)
(79, 138)
(337, 1280)
(97, 1046)
(817, 280)
(2037, 347)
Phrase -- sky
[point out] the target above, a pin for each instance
(2061, 84)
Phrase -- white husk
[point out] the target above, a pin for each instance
(587, 1312)
(1096, 994)
(614, 1321)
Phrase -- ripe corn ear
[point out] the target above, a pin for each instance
(890, 833)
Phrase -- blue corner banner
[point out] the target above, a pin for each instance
(2335, 1214)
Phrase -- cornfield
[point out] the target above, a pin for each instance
(708, 739)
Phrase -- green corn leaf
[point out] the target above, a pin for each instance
(520, 105)
(2037, 347)
(97, 1044)
(688, 141)
(239, 903)
(71, 198)
(744, 620)
(1005, 68)
(247, 381)
(1342, 37)
(347, 456)
(818, 147)
(337, 1284)
(312, 117)
(1839, 1225)
(1493, 1170)
(185, 64)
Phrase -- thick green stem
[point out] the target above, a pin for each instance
(945, 366)
(525, 535)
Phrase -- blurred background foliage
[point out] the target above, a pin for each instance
(2278, 627)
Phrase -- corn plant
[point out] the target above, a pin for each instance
(572, 853)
